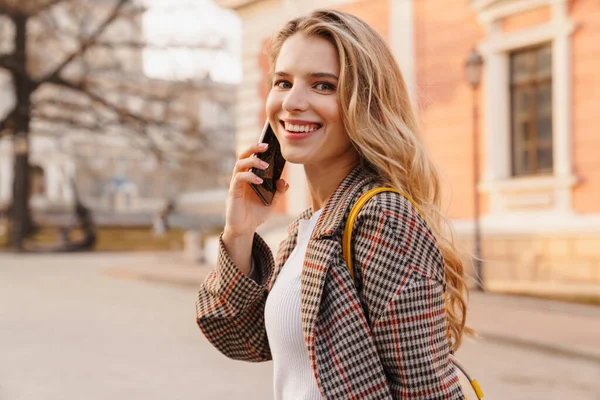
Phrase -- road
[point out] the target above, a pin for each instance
(70, 331)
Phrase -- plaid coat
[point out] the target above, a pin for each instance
(381, 338)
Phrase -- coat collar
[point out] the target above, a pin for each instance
(337, 205)
(331, 218)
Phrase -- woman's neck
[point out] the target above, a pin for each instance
(324, 180)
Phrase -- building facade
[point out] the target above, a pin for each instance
(539, 173)
(73, 140)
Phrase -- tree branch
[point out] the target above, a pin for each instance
(67, 106)
(86, 43)
(26, 8)
(120, 111)
(70, 121)
(46, 5)
(152, 46)
(141, 122)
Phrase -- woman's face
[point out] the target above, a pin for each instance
(303, 106)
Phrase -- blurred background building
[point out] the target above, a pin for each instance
(117, 172)
(539, 186)
(112, 175)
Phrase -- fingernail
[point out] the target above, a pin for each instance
(259, 179)
(264, 164)
(263, 145)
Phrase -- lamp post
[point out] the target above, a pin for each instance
(473, 67)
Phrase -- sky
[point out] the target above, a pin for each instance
(189, 22)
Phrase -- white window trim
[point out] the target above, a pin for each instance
(497, 180)
(488, 12)
(541, 224)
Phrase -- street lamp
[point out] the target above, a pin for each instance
(473, 67)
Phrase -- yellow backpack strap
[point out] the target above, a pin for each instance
(347, 253)
(362, 200)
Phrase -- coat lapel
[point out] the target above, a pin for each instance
(331, 217)
(325, 246)
(287, 246)
(334, 211)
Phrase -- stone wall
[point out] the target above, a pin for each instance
(568, 263)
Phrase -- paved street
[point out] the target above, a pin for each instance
(69, 330)
(517, 373)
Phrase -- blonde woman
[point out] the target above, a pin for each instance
(339, 107)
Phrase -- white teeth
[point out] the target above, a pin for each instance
(300, 128)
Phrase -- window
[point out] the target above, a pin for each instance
(531, 110)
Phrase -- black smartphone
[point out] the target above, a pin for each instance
(272, 174)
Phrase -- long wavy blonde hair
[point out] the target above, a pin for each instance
(382, 126)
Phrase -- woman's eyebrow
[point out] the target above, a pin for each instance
(280, 74)
(324, 75)
(284, 74)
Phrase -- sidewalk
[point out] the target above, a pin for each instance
(564, 328)
(163, 268)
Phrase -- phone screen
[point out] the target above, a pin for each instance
(272, 174)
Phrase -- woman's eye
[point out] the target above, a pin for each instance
(325, 87)
(282, 84)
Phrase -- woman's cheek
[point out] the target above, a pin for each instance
(271, 104)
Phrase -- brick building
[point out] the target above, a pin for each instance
(539, 102)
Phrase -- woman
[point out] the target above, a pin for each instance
(339, 107)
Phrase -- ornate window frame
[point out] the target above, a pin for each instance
(509, 195)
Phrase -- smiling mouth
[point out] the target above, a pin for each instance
(300, 128)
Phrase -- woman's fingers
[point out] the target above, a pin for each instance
(241, 173)
(282, 186)
(245, 164)
(255, 148)
(239, 182)
(246, 177)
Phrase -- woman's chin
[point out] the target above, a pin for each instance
(294, 158)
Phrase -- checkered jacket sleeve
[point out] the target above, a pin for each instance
(230, 306)
(400, 279)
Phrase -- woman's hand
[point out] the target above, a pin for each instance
(245, 210)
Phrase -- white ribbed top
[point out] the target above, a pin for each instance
(293, 377)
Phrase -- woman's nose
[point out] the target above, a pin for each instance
(295, 100)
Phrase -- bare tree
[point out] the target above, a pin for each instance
(76, 65)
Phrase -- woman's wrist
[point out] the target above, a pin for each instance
(232, 234)
(239, 249)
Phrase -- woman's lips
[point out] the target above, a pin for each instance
(289, 135)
